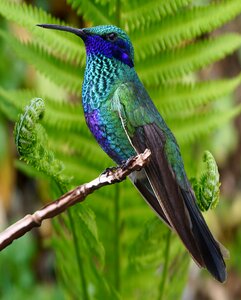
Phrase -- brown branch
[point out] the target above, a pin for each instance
(78, 194)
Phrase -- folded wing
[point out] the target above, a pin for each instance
(172, 197)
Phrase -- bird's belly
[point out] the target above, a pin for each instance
(107, 129)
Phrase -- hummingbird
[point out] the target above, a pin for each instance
(123, 119)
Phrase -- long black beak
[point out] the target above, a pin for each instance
(76, 31)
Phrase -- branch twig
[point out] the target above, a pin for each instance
(78, 194)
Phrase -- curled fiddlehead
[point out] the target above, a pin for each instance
(207, 187)
(32, 142)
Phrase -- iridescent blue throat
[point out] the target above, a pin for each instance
(96, 45)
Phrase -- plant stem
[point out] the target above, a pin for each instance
(76, 246)
(78, 257)
(117, 237)
(165, 267)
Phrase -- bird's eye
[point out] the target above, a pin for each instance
(111, 36)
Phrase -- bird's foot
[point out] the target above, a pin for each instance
(125, 164)
(109, 170)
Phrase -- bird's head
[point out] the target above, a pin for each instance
(107, 40)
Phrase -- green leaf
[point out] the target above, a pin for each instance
(146, 250)
(193, 127)
(207, 187)
(99, 13)
(184, 25)
(92, 256)
(31, 142)
(69, 76)
(173, 98)
(59, 42)
(140, 14)
(89, 233)
(173, 65)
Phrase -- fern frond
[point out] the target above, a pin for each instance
(76, 170)
(94, 11)
(147, 255)
(140, 14)
(176, 64)
(143, 251)
(57, 118)
(91, 265)
(191, 128)
(90, 233)
(207, 187)
(7, 107)
(78, 149)
(70, 77)
(61, 116)
(73, 142)
(24, 138)
(28, 16)
(183, 26)
(171, 98)
(85, 153)
(30, 139)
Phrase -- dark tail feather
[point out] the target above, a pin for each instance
(209, 248)
(142, 184)
(176, 199)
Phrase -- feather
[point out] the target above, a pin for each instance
(168, 184)
(142, 184)
(178, 204)
(210, 249)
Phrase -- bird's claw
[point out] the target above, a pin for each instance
(125, 164)
(109, 170)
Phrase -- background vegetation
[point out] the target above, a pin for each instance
(112, 246)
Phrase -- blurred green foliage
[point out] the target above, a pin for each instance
(18, 279)
(112, 248)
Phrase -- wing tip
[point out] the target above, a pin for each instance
(216, 267)
(222, 276)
